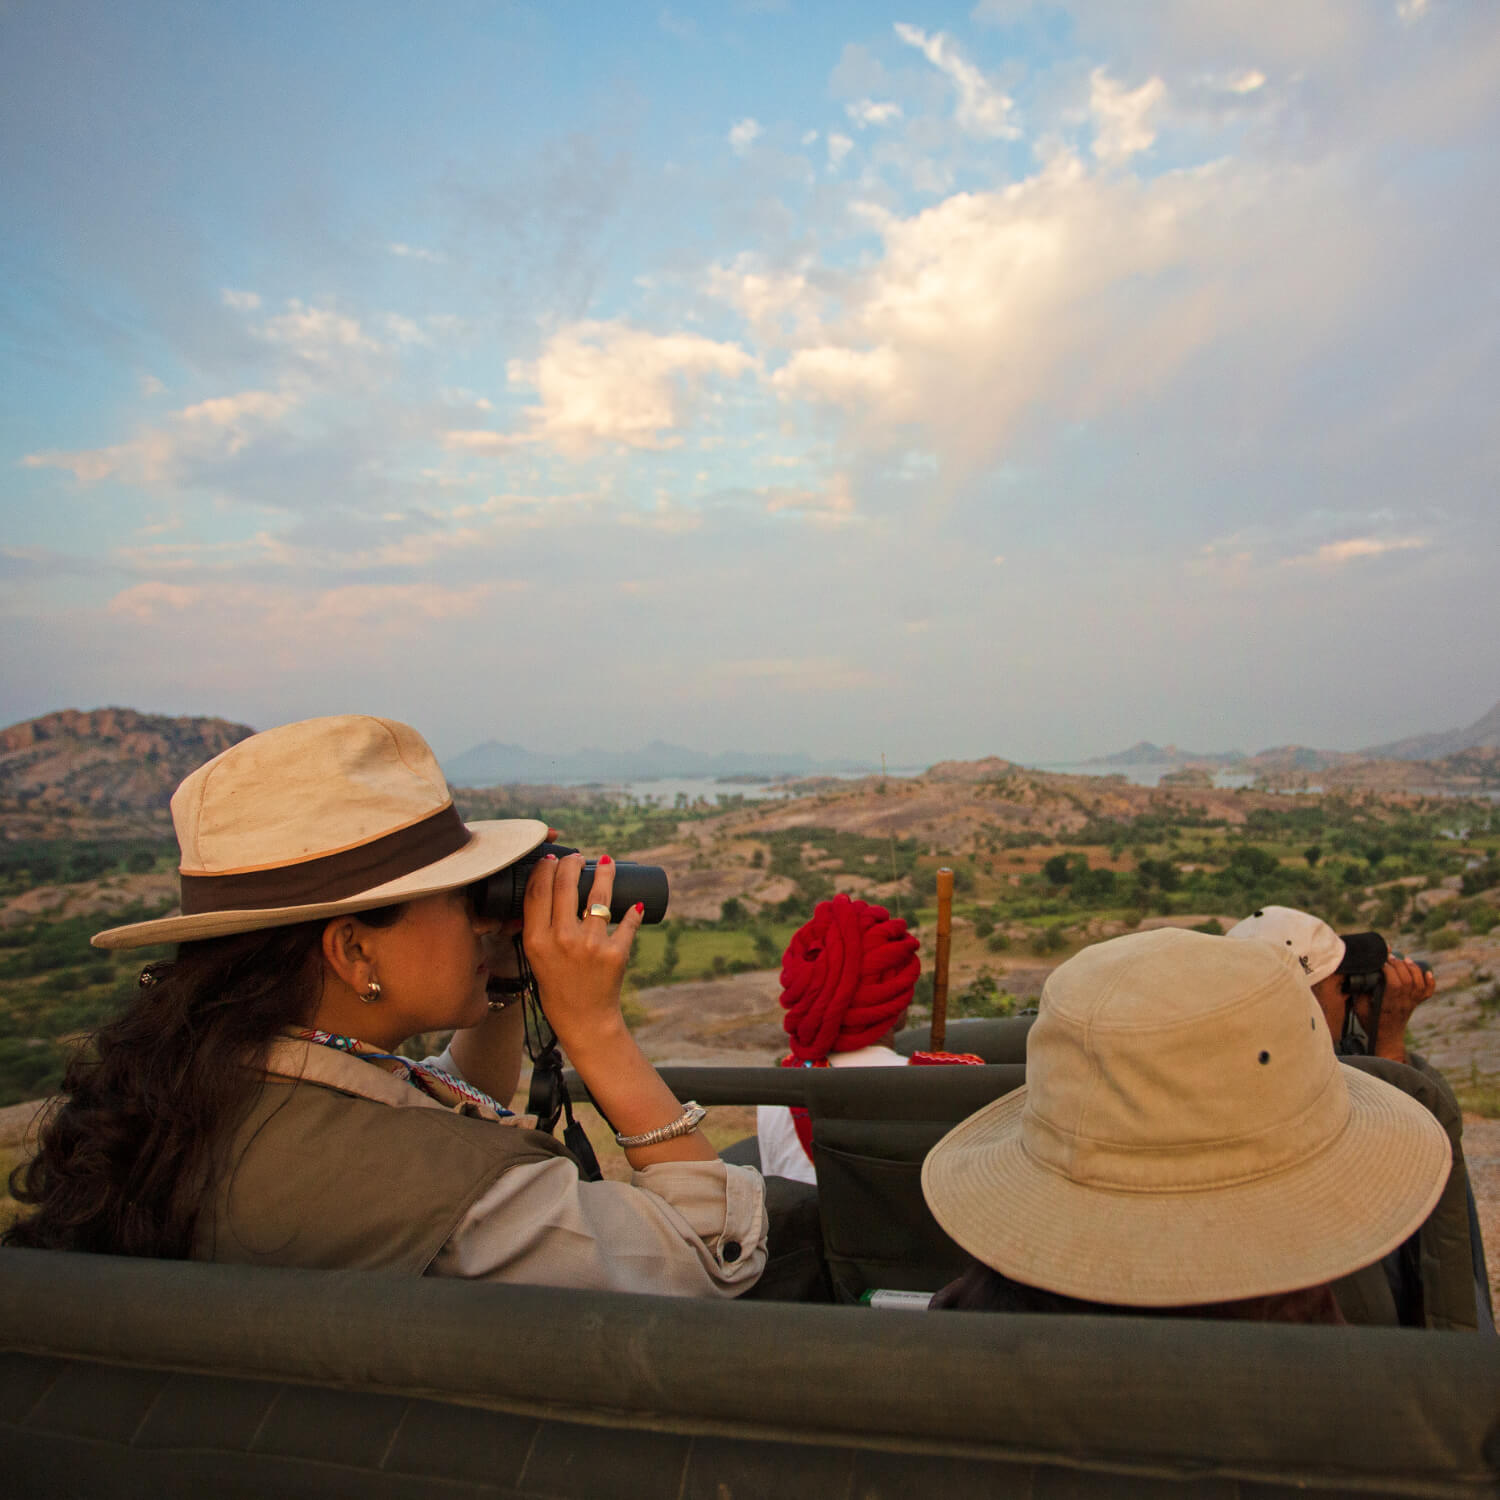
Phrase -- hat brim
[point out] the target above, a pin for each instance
(492, 845)
(1329, 1214)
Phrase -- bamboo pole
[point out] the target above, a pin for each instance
(940, 966)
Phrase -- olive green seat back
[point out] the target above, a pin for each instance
(123, 1378)
(872, 1129)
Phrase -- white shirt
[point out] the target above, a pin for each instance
(781, 1153)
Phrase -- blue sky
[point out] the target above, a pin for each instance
(934, 380)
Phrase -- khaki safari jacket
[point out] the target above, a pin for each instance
(340, 1165)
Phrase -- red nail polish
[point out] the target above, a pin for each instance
(640, 908)
(604, 859)
(549, 856)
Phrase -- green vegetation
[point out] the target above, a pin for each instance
(1479, 1094)
(53, 989)
(678, 951)
(28, 863)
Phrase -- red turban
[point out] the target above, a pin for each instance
(845, 977)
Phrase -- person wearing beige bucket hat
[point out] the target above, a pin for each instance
(251, 1105)
(1186, 1139)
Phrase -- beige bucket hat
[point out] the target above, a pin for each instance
(317, 818)
(1185, 1135)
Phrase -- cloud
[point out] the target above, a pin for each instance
(317, 335)
(481, 440)
(405, 330)
(982, 109)
(743, 134)
(386, 604)
(148, 601)
(609, 383)
(151, 386)
(995, 319)
(240, 301)
(1246, 82)
(1121, 125)
(1355, 549)
(769, 300)
(866, 112)
(415, 252)
(208, 430)
(830, 506)
(1411, 11)
(839, 146)
(682, 27)
(840, 376)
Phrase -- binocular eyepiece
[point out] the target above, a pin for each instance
(499, 896)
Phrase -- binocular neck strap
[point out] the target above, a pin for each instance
(548, 1099)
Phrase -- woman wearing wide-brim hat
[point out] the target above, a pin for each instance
(1186, 1139)
(250, 1107)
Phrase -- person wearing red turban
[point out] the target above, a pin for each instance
(846, 980)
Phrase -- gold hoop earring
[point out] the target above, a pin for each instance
(372, 992)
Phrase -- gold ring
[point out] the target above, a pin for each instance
(598, 909)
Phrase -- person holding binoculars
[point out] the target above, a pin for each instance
(1355, 977)
(250, 1104)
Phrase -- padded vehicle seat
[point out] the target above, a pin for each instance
(872, 1128)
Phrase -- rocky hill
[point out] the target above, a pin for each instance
(108, 762)
(1483, 733)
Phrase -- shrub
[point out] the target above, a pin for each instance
(1443, 939)
(1048, 940)
(1212, 926)
(982, 996)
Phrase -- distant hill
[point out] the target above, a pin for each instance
(105, 759)
(1482, 734)
(1144, 753)
(494, 763)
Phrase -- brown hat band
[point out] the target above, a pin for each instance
(332, 877)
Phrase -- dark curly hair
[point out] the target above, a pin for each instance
(127, 1158)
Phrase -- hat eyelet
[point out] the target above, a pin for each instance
(1264, 1058)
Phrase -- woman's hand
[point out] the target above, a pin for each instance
(579, 963)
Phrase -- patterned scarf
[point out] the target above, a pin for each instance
(434, 1082)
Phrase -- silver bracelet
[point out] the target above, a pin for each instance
(688, 1121)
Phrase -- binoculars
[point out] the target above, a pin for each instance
(499, 896)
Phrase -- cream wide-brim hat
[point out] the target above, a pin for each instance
(316, 819)
(1185, 1135)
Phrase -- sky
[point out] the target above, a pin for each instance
(928, 380)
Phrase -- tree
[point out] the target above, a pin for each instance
(1312, 854)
